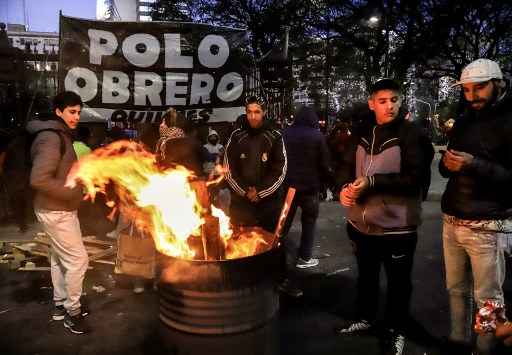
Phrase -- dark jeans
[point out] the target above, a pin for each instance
(396, 253)
(264, 213)
(309, 204)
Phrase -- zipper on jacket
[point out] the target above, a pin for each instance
(367, 170)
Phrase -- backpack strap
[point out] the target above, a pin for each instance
(58, 132)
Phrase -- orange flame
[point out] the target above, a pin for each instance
(160, 202)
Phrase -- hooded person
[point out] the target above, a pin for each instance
(214, 150)
(309, 169)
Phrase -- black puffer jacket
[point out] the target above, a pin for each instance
(482, 191)
(255, 157)
(308, 155)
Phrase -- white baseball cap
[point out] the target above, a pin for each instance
(480, 70)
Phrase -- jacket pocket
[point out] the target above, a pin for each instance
(386, 212)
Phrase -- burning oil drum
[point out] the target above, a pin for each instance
(219, 297)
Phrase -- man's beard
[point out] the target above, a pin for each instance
(487, 103)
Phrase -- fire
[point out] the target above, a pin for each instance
(161, 203)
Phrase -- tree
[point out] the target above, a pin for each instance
(464, 31)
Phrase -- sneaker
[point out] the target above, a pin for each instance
(396, 344)
(138, 290)
(359, 326)
(76, 324)
(287, 287)
(58, 312)
(138, 286)
(85, 310)
(303, 264)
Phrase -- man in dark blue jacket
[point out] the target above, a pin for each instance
(308, 168)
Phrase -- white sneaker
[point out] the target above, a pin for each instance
(354, 328)
(397, 344)
(304, 264)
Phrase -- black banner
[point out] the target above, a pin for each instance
(134, 71)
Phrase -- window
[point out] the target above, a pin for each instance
(145, 8)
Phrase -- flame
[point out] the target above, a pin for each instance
(160, 202)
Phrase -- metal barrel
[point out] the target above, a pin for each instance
(219, 297)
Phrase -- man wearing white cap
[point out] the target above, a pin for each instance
(477, 202)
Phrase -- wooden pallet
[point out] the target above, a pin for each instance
(37, 252)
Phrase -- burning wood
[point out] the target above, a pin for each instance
(170, 205)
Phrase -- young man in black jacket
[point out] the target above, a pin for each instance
(255, 165)
(383, 173)
(477, 202)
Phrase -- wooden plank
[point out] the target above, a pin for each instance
(92, 240)
(101, 261)
(102, 254)
(41, 268)
(36, 268)
(41, 240)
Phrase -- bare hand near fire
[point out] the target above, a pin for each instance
(351, 192)
(252, 194)
(504, 331)
(456, 161)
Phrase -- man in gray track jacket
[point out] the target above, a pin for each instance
(384, 172)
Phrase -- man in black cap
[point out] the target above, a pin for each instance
(384, 172)
(255, 165)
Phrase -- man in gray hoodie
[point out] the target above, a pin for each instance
(55, 206)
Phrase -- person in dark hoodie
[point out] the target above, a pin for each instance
(55, 206)
(255, 167)
(308, 169)
(477, 203)
(382, 175)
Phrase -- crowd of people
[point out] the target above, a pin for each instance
(381, 172)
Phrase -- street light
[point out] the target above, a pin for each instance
(373, 20)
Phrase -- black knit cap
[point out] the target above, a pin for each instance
(384, 84)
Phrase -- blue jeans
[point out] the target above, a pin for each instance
(475, 267)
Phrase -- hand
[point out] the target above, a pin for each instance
(252, 194)
(504, 331)
(351, 192)
(456, 161)
(346, 198)
(360, 185)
